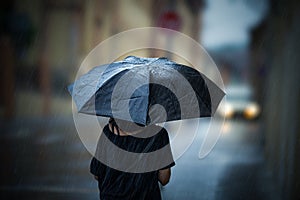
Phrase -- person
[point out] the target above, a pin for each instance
(117, 184)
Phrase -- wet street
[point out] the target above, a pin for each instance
(235, 169)
(42, 160)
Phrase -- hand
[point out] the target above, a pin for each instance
(164, 176)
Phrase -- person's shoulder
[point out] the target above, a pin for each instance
(106, 128)
(161, 134)
(107, 131)
(163, 130)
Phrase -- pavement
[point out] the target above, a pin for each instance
(45, 159)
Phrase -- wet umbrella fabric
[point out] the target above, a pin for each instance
(133, 88)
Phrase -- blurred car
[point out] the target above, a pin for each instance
(239, 103)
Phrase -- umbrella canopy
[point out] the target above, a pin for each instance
(146, 91)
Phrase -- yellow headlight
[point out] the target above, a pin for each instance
(227, 111)
(252, 111)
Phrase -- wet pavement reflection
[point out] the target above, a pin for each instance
(235, 169)
(45, 159)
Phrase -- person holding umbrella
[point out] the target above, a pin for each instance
(117, 184)
(133, 153)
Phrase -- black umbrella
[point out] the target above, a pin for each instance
(146, 91)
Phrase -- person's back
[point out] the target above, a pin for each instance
(117, 184)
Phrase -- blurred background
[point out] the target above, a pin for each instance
(255, 45)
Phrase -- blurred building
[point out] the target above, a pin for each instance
(275, 57)
(44, 42)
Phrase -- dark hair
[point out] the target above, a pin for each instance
(124, 125)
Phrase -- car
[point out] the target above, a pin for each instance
(239, 103)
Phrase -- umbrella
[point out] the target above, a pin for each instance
(146, 91)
